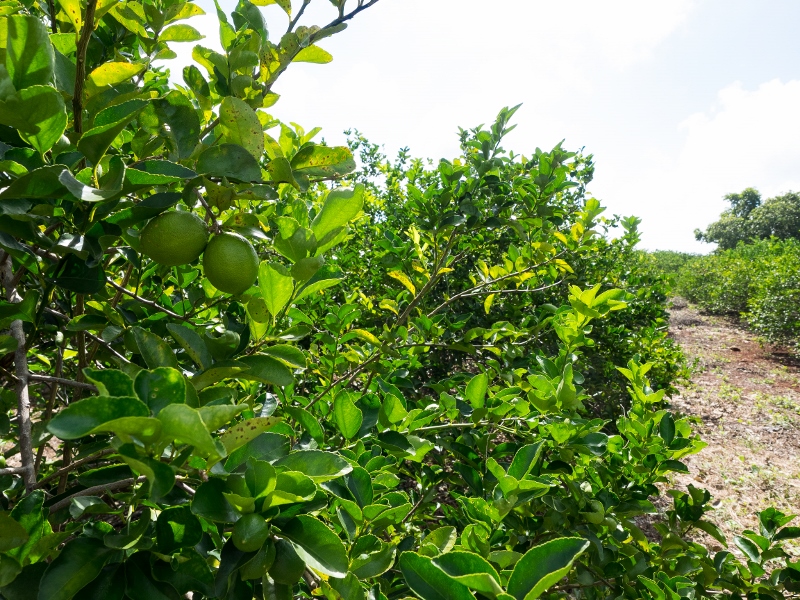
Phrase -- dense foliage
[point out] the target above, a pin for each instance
(759, 281)
(404, 401)
(751, 219)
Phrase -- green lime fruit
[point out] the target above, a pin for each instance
(174, 238)
(250, 532)
(230, 263)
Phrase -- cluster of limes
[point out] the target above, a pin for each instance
(178, 238)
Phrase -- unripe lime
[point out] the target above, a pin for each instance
(230, 263)
(174, 238)
(250, 532)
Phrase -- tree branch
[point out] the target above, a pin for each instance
(63, 381)
(146, 302)
(74, 465)
(21, 373)
(299, 14)
(98, 489)
(80, 66)
(209, 212)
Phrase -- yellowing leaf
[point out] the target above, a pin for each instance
(313, 54)
(110, 74)
(404, 279)
(389, 305)
(72, 8)
(367, 336)
(487, 304)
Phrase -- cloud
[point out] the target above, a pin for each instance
(747, 138)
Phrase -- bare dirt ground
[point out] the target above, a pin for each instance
(746, 398)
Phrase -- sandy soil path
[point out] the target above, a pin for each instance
(746, 398)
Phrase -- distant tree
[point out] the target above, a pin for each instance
(750, 218)
(777, 217)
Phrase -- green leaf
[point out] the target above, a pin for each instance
(276, 288)
(177, 528)
(217, 416)
(291, 356)
(371, 557)
(160, 475)
(31, 515)
(543, 566)
(154, 350)
(217, 372)
(320, 466)
(111, 73)
(347, 415)
(181, 422)
(194, 574)
(86, 192)
(79, 563)
(39, 113)
(239, 124)
(231, 161)
(476, 390)
(323, 161)
(26, 585)
(12, 533)
(110, 382)
(524, 460)
(349, 587)
(340, 207)
(209, 502)
(472, 570)
(9, 569)
(42, 183)
(175, 111)
(30, 59)
(160, 387)
(192, 344)
(180, 33)
(290, 487)
(429, 582)
(23, 311)
(318, 546)
(96, 142)
(266, 369)
(666, 428)
(307, 421)
(7, 344)
(131, 534)
(85, 416)
(313, 54)
(326, 277)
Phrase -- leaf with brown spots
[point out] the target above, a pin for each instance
(243, 432)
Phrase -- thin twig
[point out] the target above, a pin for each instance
(74, 465)
(21, 373)
(97, 489)
(209, 128)
(14, 471)
(146, 302)
(299, 14)
(100, 341)
(209, 212)
(50, 403)
(63, 381)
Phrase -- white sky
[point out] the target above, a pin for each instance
(680, 101)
